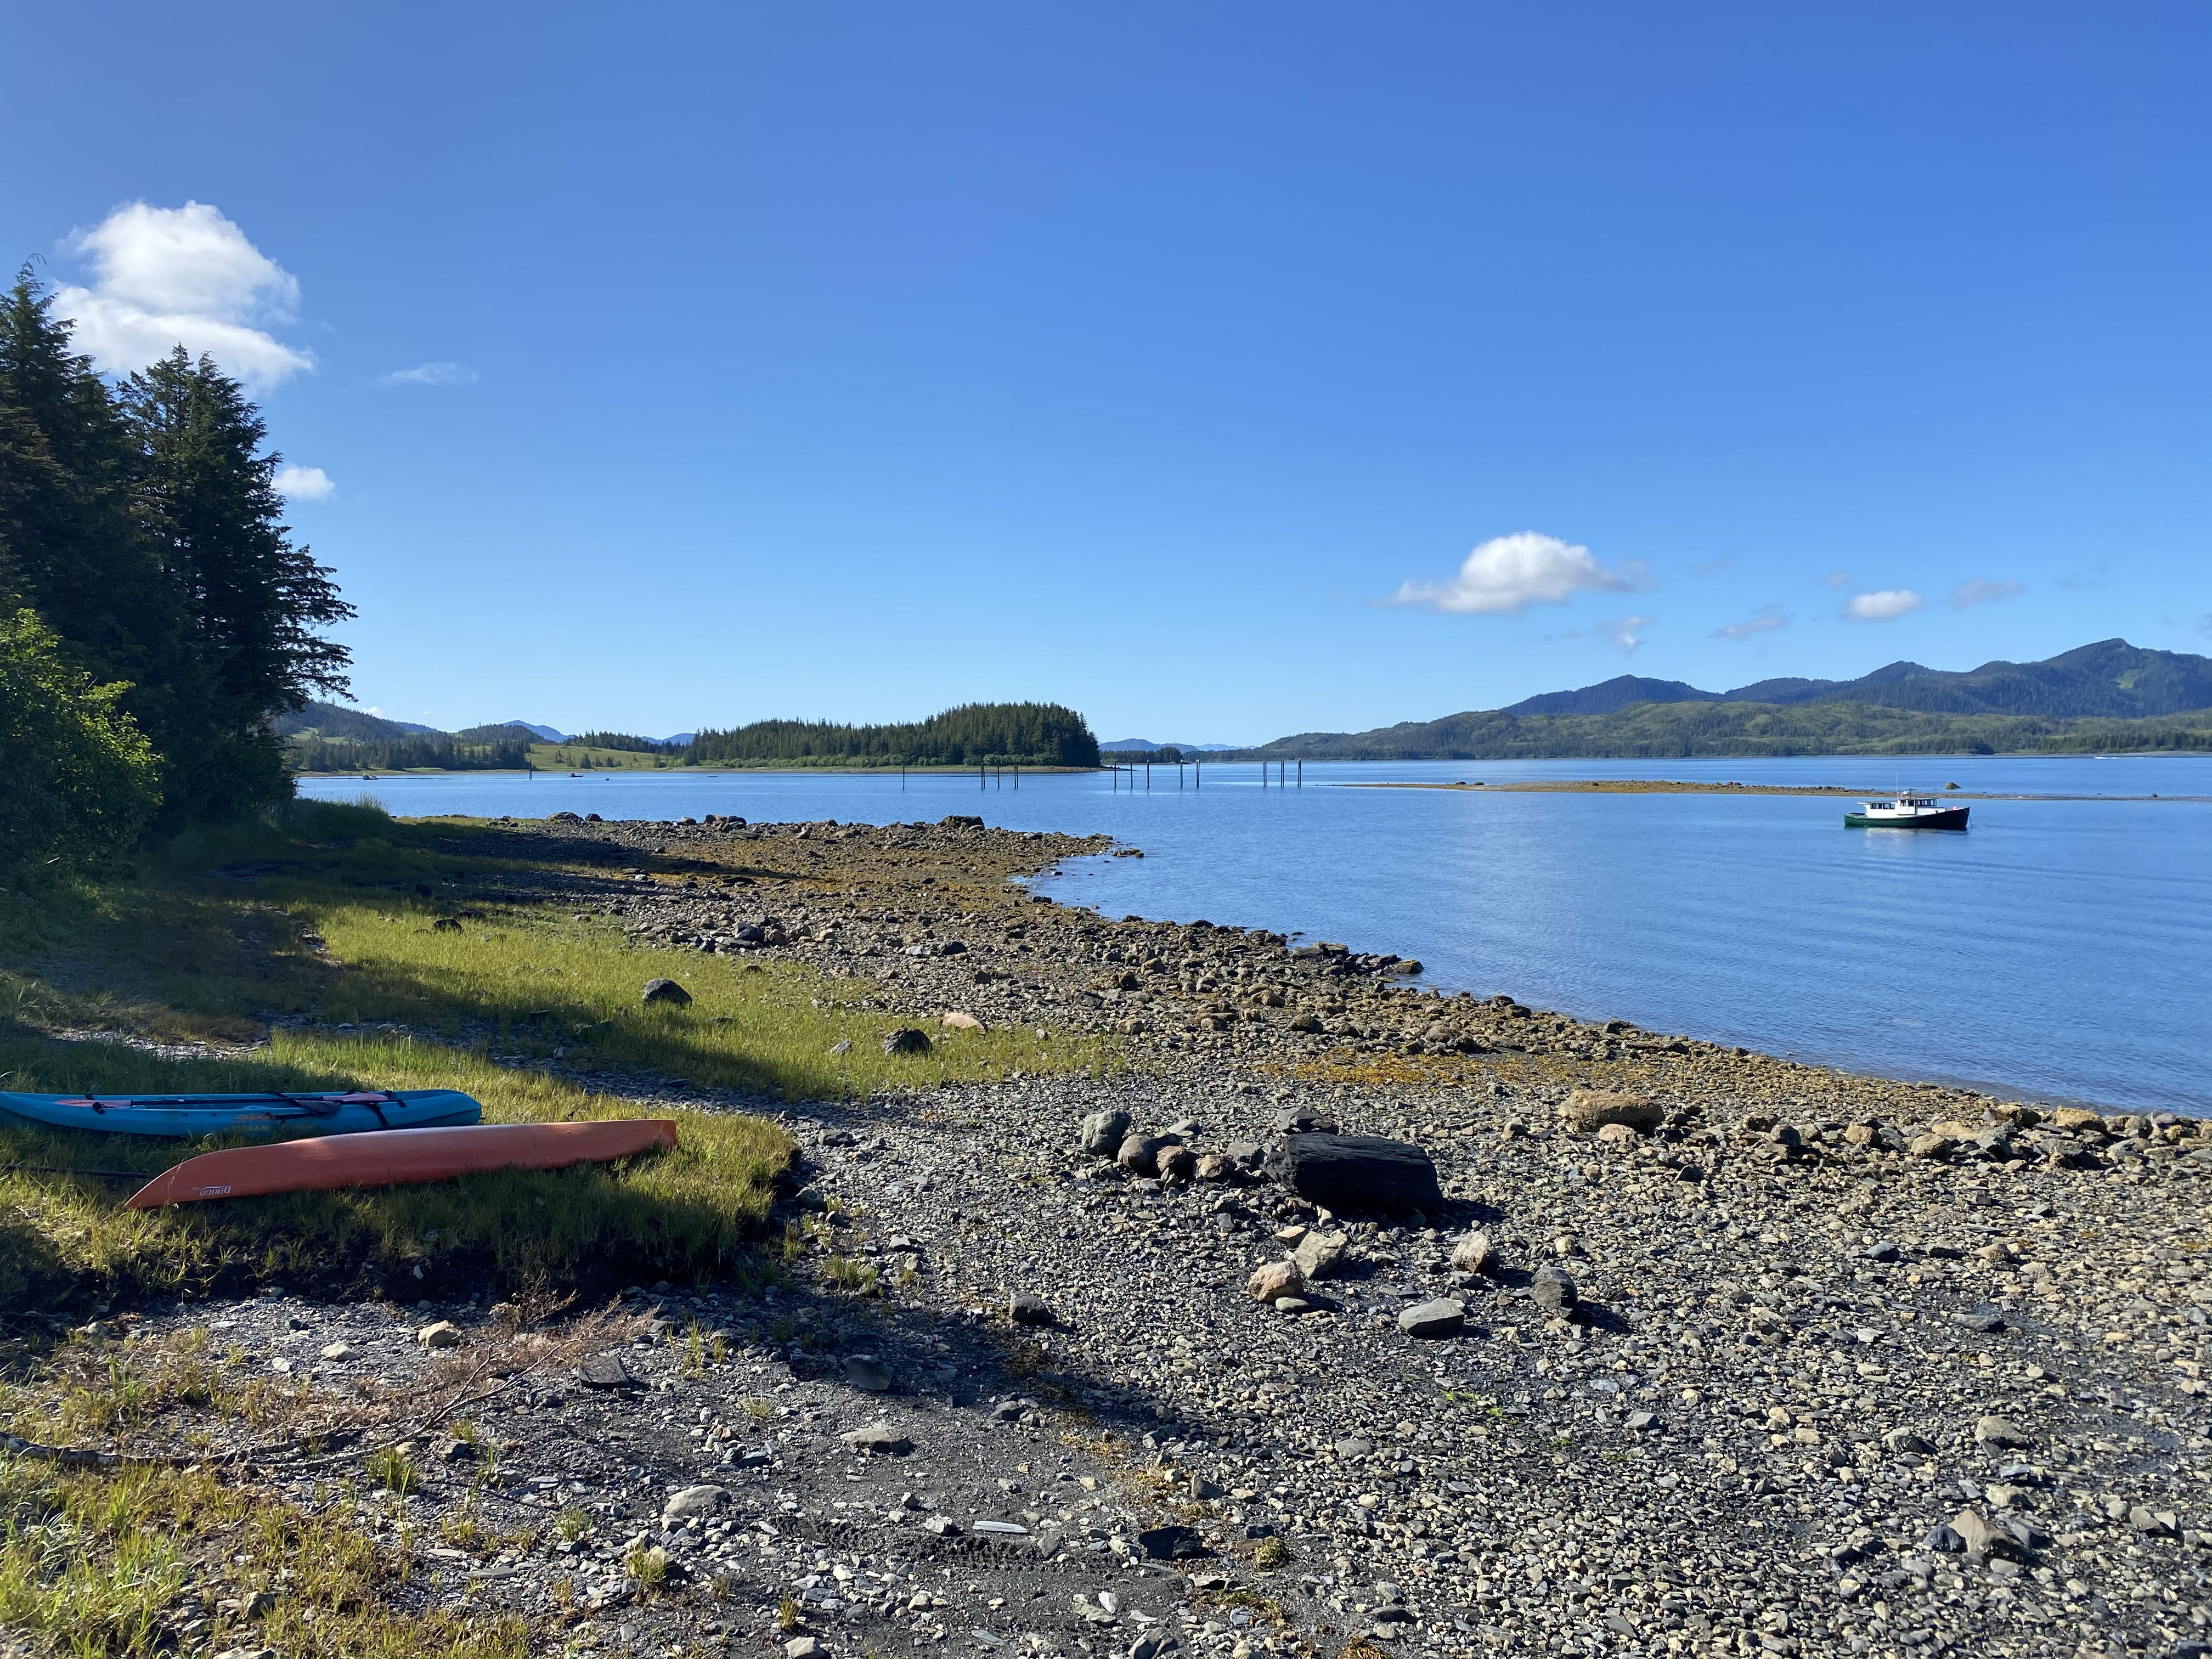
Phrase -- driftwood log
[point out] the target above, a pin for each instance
(1357, 1172)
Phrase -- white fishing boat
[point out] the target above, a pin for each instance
(1905, 811)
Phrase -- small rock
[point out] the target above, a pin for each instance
(1982, 1538)
(804, 1647)
(1441, 1317)
(2152, 1523)
(1104, 1132)
(1474, 1254)
(1641, 1422)
(1320, 1255)
(443, 1334)
(1026, 1308)
(1170, 1543)
(1141, 1154)
(906, 1041)
(1884, 1252)
(1304, 1119)
(2001, 1431)
(694, 1500)
(337, 1351)
(457, 1451)
(956, 1020)
(939, 1526)
(1934, 1146)
(1587, 1109)
(1153, 1644)
(666, 991)
(842, 1046)
(1176, 1163)
(1553, 1288)
(606, 1371)
(868, 1376)
(879, 1439)
(1292, 1304)
(1271, 1280)
(1905, 1442)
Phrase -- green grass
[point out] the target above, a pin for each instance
(188, 953)
(100, 1563)
(534, 984)
(685, 1213)
(334, 929)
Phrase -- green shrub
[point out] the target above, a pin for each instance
(81, 778)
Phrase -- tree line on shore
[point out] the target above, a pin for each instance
(155, 612)
(973, 734)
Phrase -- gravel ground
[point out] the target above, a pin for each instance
(1847, 1365)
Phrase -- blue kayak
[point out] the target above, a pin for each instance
(338, 1113)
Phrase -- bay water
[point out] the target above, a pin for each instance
(2060, 949)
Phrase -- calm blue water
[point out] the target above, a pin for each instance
(2060, 949)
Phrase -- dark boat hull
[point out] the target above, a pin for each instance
(1951, 817)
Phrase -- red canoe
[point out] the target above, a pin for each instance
(392, 1157)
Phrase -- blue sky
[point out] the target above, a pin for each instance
(1223, 370)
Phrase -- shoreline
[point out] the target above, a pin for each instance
(1318, 1009)
(1689, 1346)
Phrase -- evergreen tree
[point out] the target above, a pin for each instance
(69, 549)
(205, 498)
(143, 529)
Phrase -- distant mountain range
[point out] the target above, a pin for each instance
(329, 719)
(1122, 744)
(2111, 679)
(2108, 695)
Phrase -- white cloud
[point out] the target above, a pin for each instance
(428, 374)
(304, 483)
(1979, 592)
(1627, 633)
(1508, 573)
(1837, 579)
(165, 276)
(1768, 618)
(1885, 605)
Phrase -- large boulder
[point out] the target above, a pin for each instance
(1357, 1172)
(1588, 1109)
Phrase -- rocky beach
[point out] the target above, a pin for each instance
(1335, 1317)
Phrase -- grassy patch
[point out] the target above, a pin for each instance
(143, 1560)
(685, 1213)
(536, 985)
(332, 912)
(427, 954)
